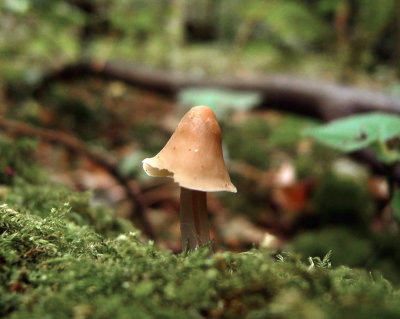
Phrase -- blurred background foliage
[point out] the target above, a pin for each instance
(293, 194)
(331, 37)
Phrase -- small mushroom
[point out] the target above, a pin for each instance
(193, 158)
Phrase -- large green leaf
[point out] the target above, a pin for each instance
(221, 101)
(356, 132)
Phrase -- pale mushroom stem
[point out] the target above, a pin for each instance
(195, 230)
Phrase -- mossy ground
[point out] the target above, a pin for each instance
(53, 268)
(60, 257)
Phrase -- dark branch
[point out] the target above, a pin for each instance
(320, 100)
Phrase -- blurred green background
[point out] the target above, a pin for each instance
(337, 39)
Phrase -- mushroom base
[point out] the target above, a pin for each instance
(195, 229)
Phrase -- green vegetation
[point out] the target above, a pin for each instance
(339, 38)
(52, 265)
(17, 161)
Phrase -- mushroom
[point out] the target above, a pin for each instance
(193, 158)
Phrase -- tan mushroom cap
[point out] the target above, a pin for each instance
(193, 155)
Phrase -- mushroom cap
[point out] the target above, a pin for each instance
(193, 155)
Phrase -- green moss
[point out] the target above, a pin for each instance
(347, 247)
(17, 161)
(52, 267)
(39, 201)
(342, 200)
(61, 257)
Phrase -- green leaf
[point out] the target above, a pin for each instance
(221, 101)
(395, 203)
(357, 132)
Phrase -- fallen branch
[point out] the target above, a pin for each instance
(74, 145)
(320, 100)
(316, 99)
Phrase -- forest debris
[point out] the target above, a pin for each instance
(271, 241)
(294, 197)
(263, 178)
(286, 175)
(239, 230)
(378, 187)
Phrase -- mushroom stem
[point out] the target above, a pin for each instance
(195, 230)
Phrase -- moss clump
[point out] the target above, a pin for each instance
(17, 161)
(50, 266)
(60, 257)
(35, 200)
(342, 201)
(348, 248)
